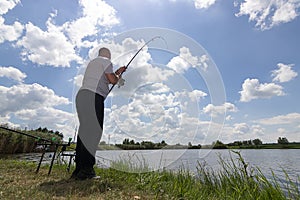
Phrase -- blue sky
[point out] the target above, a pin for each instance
(252, 46)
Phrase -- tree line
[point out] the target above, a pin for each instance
(282, 142)
(11, 142)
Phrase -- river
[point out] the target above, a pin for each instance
(280, 161)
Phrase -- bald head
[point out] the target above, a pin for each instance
(104, 52)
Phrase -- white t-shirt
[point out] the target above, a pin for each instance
(94, 78)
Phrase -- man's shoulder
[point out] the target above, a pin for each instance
(102, 59)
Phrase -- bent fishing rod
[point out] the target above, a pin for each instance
(152, 39)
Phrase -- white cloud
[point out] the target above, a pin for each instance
(56, 45)
(196, 95)
(77, 80)
(34, 106)
(286, 12)
(229, 118)
(12, 73)
(47, 47)
(155, 112)
(284, 73)
(6, 5)
(252, 89)
(257, 130)
(214, 111)
(269, 13)
(23, 96)
(94, 14)
(241, 128)
(46, 117)
(10, 32)
(185, 60)
(281, 119)
(204, 4)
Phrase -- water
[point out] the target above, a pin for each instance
(280, 161)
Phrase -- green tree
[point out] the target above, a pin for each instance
(219, 145)
(126, 141)
(257, 142)
(45, 130)
(132, 142)
(163, 143)
(283, 140)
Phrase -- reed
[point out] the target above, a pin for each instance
(235, 179)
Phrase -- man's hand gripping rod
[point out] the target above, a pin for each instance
(156, 37)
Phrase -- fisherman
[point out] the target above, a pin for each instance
(90, 110)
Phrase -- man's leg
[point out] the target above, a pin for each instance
(77, 158)
(89, 132)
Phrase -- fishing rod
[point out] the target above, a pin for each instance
(152, 39)
(28, 135)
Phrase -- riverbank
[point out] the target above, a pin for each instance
(293, 145)
(18, 180)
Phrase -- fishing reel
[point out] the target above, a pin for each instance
(121, 82)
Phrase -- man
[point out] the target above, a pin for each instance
(90, 109)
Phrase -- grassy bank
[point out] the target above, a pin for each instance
(235, 181)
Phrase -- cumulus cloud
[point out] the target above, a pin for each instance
(281, 119)
(46, 117)
(204, 4)
(284, 73)
(56, 46)
(34, 106)
(12, 73)
(24, 96)
(95, 14)
(241, 128)
(49, 47)
(10, 32)
(77, 80)
(185, 60)
(196, 95)
(6, 5)
(257, 130)
(253, 89)
(155, 112)
(269, 13)
(214, 111)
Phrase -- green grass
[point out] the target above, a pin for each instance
(235, 180)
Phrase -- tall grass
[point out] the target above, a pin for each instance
(131, 163)
(234, 180)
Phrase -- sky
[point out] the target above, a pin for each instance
(221, 70)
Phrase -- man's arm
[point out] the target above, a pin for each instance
(113, 78)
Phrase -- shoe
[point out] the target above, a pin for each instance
(74, 174)
(84, 174)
